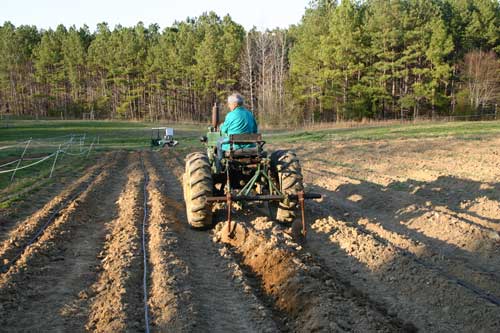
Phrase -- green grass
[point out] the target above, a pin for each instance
(463, 130)
(47, 135)
(31, 179)
(112, 134)
(136, 135)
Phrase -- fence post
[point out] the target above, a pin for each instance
(84, 137)
(71, 141)
(55, 160)
(90, 148)
(20, 160)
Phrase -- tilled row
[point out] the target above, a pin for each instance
(210, 290)
(169, 303)
(302, 288)
(116, 298)
(46, 288)
(23, 232)
(437, 288)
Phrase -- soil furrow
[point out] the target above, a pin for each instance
(409, 289)
(117, 303)
(168, 307)
(16, 233)
(313, 299)
(46, 289)
(219, 299)
(422, 232)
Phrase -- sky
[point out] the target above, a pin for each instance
(263, 14)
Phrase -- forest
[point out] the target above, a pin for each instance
(345, 60)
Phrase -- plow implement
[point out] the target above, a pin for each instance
(300, 197)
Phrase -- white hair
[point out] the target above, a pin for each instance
(235, 98)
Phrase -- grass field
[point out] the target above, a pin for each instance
(467, 130)
(135, 135)
(112, 134)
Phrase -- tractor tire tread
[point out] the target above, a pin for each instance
(286, 167)
(197, 186)
(199, 180)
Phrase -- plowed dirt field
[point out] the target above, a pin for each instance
(406, 238)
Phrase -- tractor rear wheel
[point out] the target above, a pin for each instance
(285, 167)
(198, 184)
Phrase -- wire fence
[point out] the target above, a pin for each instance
(32, 152)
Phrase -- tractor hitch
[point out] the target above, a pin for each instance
(300, 197)
(265, 197)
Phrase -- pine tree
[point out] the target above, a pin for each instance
(309, 78)
(440, 47)
(74, 60)
(384, 31)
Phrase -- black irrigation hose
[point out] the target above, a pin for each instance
(145, 255)
(481, 293)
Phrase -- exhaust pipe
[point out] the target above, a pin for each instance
(215, 116)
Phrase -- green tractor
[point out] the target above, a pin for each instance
(242, 175)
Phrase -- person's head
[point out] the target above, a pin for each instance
(234, 100)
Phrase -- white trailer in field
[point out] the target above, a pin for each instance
(163, 136)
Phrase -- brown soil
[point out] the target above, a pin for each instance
(213, 295)
(406, 238)
(413, 224)
(45, 289)
(116, 296)
(44, 198)
(16, 231)
(312, 298)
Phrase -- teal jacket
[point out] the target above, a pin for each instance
(239, 121)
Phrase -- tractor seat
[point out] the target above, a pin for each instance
(245, 152)
(254, 139)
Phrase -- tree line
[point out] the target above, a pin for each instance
(344, 60)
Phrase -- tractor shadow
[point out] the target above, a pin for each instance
(394, 278)
(454, 193)
(395, 206)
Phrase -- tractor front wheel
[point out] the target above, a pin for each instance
(286, 170)
(198, 184)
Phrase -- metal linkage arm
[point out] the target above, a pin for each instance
(300, 197)
(264, 197)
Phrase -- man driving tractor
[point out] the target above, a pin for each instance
(235, 167)
(238, 121)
